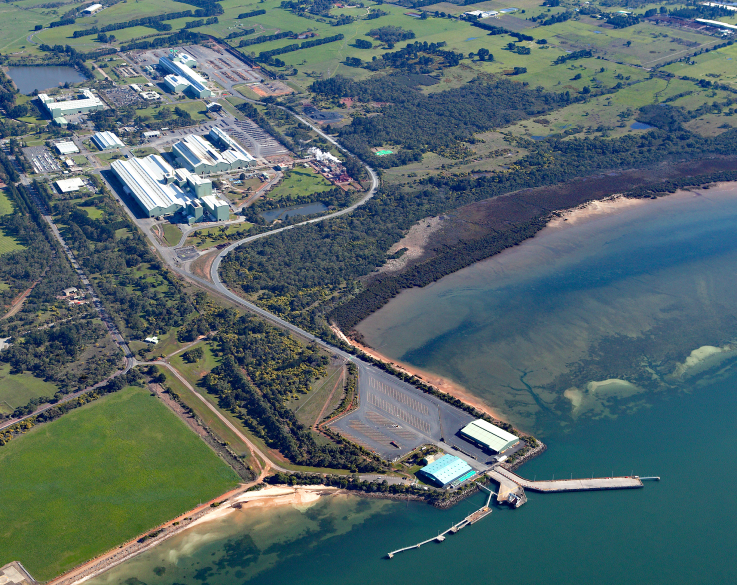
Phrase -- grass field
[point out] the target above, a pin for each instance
(209, 237)
(298, 182)
(98, 476)
(172, 234)
(307, 408)
(17, 389)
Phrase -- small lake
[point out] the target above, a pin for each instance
(29, 78)
(640, 126)
(284, 212)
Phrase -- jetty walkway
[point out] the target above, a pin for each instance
(501, 475)
(467, 521)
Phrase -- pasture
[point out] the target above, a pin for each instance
(99, 476)
(299, 182)
(17, 389)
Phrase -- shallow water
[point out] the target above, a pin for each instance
(624, 297)
(29, 78)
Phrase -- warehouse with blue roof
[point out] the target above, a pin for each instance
(446, 471)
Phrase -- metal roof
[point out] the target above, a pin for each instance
(69, 185)
(106, 140)
(446, 469)
(146, 178)
(489, 435)
(66, 147)
(194, 78)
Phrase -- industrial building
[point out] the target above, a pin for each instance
(69, 185)
(66, 147)
(488, 436)
(57, 110)
(160, 189)
(92, 9)
(203, 157)
(183, 76)
(446, 471)
(107, 140)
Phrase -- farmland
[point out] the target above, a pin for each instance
(97, 477)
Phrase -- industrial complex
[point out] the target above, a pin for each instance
(203, 157)
(107, 140)
(87, 102)
(182, 77)
(160, 189)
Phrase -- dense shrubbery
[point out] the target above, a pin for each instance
(391, 34)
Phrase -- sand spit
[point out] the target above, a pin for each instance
(594, 210)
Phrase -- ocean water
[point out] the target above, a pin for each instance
(612, 341)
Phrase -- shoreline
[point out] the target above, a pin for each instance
(227, 503)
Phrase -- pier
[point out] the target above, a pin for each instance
(467, 521)
(506, 477)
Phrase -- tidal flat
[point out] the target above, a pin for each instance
(586, 321)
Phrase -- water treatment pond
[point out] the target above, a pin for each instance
(284, 212)
(29, 78)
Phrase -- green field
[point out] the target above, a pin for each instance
(98, 476)
(17, 389)
(299, 182)
(209, 237)
(172, 234)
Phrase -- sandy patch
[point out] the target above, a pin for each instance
(594, 397)
(594, 210)
(270, 497)
(699, 357)
(414, 244)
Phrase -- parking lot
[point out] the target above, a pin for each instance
(122, 96)
(394, 418)
(41, 159)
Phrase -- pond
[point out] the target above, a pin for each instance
(640, 126)
(284, 212)
(29, 78)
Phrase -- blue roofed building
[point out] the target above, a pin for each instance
(445, 471)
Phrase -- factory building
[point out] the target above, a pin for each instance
(92, 9)
(176, 83)
(66, 147)
(69, 185)
(203, 157)
(107, 140)
(57, 110)
(180, 67)
(446, 471)
(488, 436)
(160, 189)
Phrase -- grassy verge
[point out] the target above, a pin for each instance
(100, 475)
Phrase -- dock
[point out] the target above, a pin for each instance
(467, 521)
(506, 477)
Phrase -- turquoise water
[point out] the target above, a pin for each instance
(625, 297)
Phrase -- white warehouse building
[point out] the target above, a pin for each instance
(202, 157)
(180, 68)
(107, 140)
(160, 189)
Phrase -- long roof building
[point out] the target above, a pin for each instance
(201, 156)
(150, 181)
(89, 103)
(445, 471)
(107, 140)
(488, 436)
(197, 84)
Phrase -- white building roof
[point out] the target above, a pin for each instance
(93, 8)
(716, 23)
(69, 185)
(146, 178)
(488, 434)
(197, 150)
(90, 100)
(107, 140)
(218, 135)
(152, 133)
(66, 147)
(212, 202)
(194, 78)
(175, 80)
